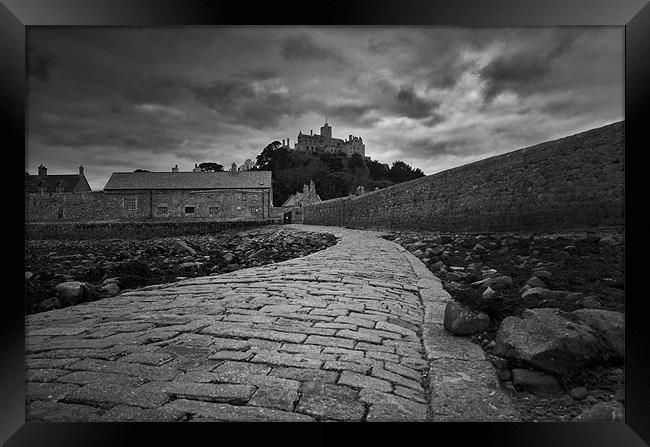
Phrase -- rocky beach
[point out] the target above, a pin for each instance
(61, 273)
(548, 310)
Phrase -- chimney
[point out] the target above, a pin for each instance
(175, 168)
(81, 169)
(311, 132)
(287, 142)
(233, 168)
(42, 171)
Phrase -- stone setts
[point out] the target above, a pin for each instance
(350, 333)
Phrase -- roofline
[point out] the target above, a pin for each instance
(188, 188)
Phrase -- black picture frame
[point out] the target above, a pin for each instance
(634, 15)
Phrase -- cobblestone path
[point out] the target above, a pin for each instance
(350, 333)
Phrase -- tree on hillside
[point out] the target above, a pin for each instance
(358, 170)
(336, 184)
(403, 172)
(210, 166)
(378, 171)
(264, 160)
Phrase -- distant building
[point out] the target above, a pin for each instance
(43, 183)
(228, 195)
(293, 205)
(325, 143)
(143, 195)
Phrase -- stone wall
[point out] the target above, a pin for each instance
(223, 205)
(129, 230)
(571, 183)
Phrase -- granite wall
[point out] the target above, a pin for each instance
(575, 182)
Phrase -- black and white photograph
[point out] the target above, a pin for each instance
(325, 224)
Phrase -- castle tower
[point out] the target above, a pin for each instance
(326, 130)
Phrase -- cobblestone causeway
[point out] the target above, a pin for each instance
(350, 333)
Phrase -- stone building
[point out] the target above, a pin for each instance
(228, 195)
(211, 196)
(325, 143)
(44, 184)
(293, 205)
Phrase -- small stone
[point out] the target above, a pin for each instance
(111, 289)
(50, 303)
(536, 282)
(488, 294)
(535, 382)
(591, 302)
(462, 321)
(579, 393)
(603, 412)
(71, 292)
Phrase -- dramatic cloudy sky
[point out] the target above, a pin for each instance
(119, 99)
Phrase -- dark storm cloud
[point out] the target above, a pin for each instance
(413, 106)
(150, 98)
(241, 101)
(352, 114)
(303, 48)
(519, 70)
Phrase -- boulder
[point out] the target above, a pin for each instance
(460, 320)
(535, 282)
(193, 266)
(28, 276)
(591, 302)
(535, 382)
(489, 293)
(71, 292)
(603, 412)
(579, 393)
(419, 245)
(607, 245)
(548, 340)
(608, 325)
(495, 282)
(110, 289)
(542, 274)
(50, 303)
(260, 254)
(181, 245)
(542, 293)
(229, 258)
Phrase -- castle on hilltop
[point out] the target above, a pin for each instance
(325, 143)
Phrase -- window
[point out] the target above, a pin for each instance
(243, 196)
(41, 190)
(59, 213)
(254, 209)
(60, 189)
(189, 209)
(214, 210)
(162, 210)
(130, 203)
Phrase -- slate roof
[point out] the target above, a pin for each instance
(69, 182)
(188, 180)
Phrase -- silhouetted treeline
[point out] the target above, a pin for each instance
(335, 175)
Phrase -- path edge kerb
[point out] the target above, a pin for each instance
(485, 400)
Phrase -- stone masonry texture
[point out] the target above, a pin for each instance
(350, 333)
(573, 182)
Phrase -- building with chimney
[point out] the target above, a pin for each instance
(293, 205)
(173, 195)
(44, 184)
(315, 143)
